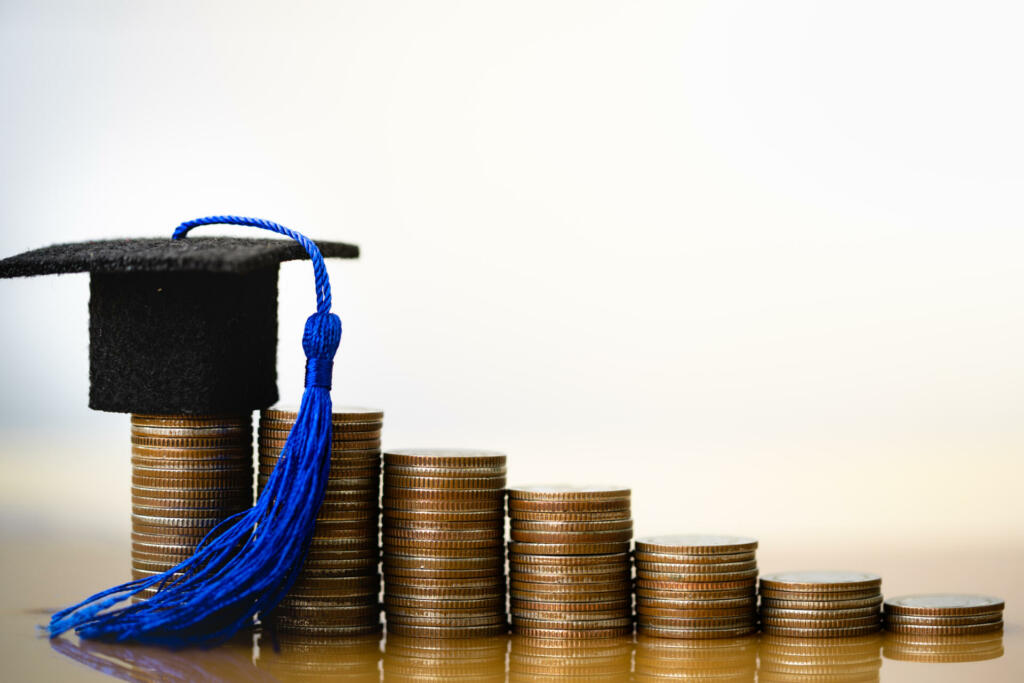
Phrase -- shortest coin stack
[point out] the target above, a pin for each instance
(943, 614)
(569, 561)
(821, 604)
(696, 586)
(338, 591)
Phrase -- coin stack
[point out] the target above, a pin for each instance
(443, 537)
(821, 604)
(797, 660)
(549, 659)
(696, 586)
(338, 591)
(189, 473)
(569, 561)
(720, 659)
(439, 660)
(943, 614)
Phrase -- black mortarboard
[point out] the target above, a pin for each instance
(184, 326)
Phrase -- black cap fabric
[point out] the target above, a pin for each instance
(178, 326)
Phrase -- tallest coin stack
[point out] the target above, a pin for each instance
(443, 537)
(189, 473)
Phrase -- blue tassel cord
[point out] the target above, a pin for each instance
(249, 562)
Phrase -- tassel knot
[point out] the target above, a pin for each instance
(322, 336)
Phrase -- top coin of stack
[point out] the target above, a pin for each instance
(443, 537)
(338, 591)
(696, 586)
(943, 614)
(189, 473)
(569, 561)
(821, 604)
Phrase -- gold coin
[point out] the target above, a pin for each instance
(696, 544)
(820, 581)
(445, 457)
(560, 537)
(567, 548)
(567, 492)
(943, 604)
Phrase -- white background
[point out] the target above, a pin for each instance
(760, 261)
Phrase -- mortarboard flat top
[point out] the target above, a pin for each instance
(183, 326)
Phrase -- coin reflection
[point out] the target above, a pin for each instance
(432, 659)
(296, 657)
(727, 659)
(542, 659)
(943, 649)
(228, 662)
(808, 659)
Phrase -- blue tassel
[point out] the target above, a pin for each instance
(249, 562)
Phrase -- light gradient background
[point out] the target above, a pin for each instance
(759, 261)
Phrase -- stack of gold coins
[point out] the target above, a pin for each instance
(442, 660)
(550, 659)
(908, 647)
(443, 537)
(338, 591)
(943, 614)
(569, 561)
(821, 604)
(720, 659)
(799, 660)
(189, 473)
(696, 586)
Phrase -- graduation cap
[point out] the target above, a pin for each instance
(189, 326)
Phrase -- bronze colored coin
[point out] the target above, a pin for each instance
(198, 506)
(559, 537)
(446, 472)
(747, 602)
(174, 523)
(453, 508)
(620, 597)
(193, 441)
(460, 535)
(813, 623)
(571, 624)
(237, 452)
(240, 434)
(446, 582)
(435, 632)
(444, 483)
(150, 533)
(355, 425)
(563, 492)
(569, 571)
(620, 515)
(450, 617)
(824, 614)
(332, 632)
(269, 434)
(366, 457)
(820, 632)
(193, 494)
(414, 561)
(197, 469)
(959, 620)
(569, 634)
(561, 616)
(819, 596)
(396, 591)
(216, 420)
(680, 577)
(747, 611)
(696, 634)
(567, 548)
(724, 594)
(327, 611)
(495, 573)
(444, 457)
(230, 482)
(437, 545)
(569, 579)
(570, 607)
(340, 414)
(448, 526)
(620, 505)
(267, 443)
(696, 544)
(487, 494)
(331, 593)
(686, 586)
(724, 558)
(943, 604)
(492, 516)
(776, 603)
(523, 588)
(966, 629)
(219, 511)
(695, 569)
(331, 509)
(745, 620)
(345, 524)
(446, 622)
(470, 604)
(595, 526)
(567, 560)
(827, 581)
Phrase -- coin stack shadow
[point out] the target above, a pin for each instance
(569, 565)
(720, 659)
(821, 604)
(443, 538)
(301, 657)
(797, 660)
(549, 659)
(338, 591)
(696, 586)
(943, 614)
(189, 473)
